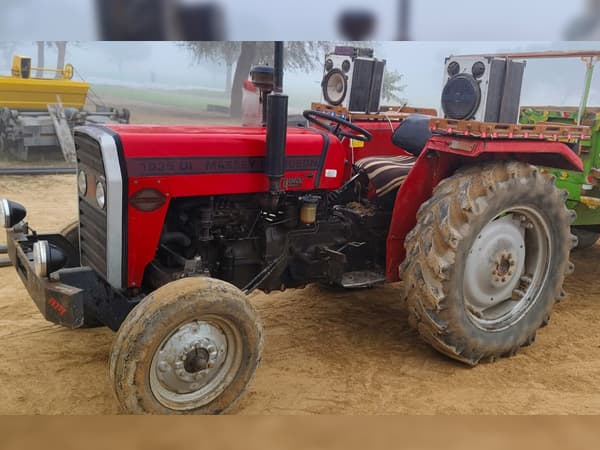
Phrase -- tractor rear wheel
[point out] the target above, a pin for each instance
(190, 347)
(585, 238)
(71, 234)
(487, 259)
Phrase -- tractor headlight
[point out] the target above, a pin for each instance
(47, 258)
(100, 194)
(11, 213)
(40, 258)
(82, 182)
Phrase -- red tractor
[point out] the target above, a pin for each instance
(178, 223)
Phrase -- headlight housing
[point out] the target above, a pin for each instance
(82, 182)
(41, 249)
(47, 258)
(11, 213)
(101, 194)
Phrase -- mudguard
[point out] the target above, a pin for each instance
(442, 156)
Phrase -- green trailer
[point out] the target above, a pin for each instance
(583, 187)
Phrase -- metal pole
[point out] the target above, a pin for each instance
(404, 21)
(589, 73)
(278, 67)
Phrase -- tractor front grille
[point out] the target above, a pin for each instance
(92, 219)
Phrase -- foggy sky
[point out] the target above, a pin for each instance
(422, 63)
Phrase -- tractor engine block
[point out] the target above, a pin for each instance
(239, 239)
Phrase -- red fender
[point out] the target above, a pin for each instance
(441, 157)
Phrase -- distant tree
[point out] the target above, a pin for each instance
(41, 48)
(391, 86)
(61, 46)
(298, 55)
(226, 51)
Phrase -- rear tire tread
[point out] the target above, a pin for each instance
(442, 223)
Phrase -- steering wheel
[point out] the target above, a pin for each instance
(360, 134)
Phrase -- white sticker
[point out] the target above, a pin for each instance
(330, 173)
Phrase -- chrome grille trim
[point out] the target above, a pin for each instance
(114, 202)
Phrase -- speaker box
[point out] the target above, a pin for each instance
(484, 89)
(353, 79)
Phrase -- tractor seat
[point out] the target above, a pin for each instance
(386, 173)
(412, 134)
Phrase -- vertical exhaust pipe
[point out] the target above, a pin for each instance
(277, 113)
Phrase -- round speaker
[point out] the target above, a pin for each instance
(453, 68)
(334, 87)
(478, 69)
(461, 97)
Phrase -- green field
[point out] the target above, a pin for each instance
(184, 98)
(192, 98)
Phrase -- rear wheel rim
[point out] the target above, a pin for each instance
(506, 268)
(195, 363)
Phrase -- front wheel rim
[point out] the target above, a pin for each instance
(506, 268)
(195, 363)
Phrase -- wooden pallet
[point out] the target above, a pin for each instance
(541, 131)
(391, 113)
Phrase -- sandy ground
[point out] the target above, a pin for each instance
(326, 351)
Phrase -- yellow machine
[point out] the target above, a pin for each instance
(23, 92)
(38, 112)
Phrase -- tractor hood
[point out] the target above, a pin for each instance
(313, 159)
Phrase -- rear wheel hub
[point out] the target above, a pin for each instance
(505, 268)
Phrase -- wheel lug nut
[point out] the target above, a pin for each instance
(163, 366)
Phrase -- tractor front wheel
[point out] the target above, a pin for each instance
(487, 259)
(190, 347)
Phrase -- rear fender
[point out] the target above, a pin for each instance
(442, 156)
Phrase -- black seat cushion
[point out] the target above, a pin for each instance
(413, 133)
(386, 173)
